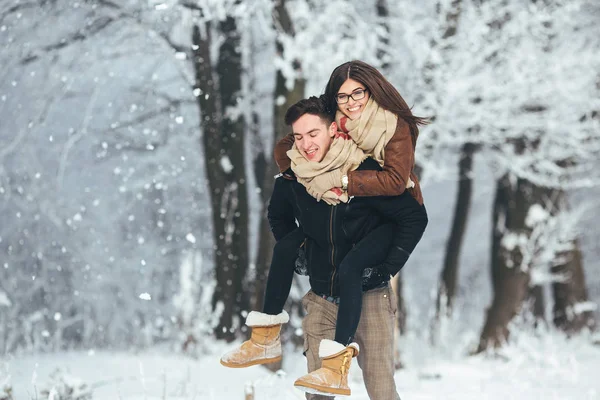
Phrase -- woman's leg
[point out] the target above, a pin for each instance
(413, 219)
(408, 233)
(371, 251)
(281, 272)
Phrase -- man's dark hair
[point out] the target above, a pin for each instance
(313, 105)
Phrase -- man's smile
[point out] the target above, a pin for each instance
(310, 153)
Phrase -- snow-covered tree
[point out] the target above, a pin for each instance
(135, 133)
(101, 187)
(520, 84)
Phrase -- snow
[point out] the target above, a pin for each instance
(511, 240)
(226, 164)
(4, 300)
(536, 214)
(537, 58)
(145, 296)
(580, 308)
(543, 366)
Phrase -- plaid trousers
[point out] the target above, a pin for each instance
(375, 336)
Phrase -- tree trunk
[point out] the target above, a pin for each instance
(510, 279)
(537, 304)
(449, 276)
(223, 139)
(571, 294)
(383, 52)
(452, 19)
(402, 311)
(283, 99)
(400, 328)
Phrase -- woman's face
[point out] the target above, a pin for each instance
(351, 98)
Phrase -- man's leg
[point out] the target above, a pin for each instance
(375, 336)
(318, 324)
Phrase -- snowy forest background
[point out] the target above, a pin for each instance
(135, 163)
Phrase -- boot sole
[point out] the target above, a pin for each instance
(326, 391)
(251, 363)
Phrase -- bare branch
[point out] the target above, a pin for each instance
(150, 115)
(193, 6)
(175, 46)
(16, 8)
(97, 26)
(109, 4)
(72, 140)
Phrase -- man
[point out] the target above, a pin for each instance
(327, 243)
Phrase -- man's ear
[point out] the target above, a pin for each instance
(333, 128)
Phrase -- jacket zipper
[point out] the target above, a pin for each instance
(332, 248)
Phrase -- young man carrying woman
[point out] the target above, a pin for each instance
(364, 243)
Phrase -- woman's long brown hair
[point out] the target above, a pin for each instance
(382, 91)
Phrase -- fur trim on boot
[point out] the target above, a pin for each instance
(328, 348)
(256, 318)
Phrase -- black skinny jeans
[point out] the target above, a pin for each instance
(369, 252)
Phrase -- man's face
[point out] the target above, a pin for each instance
(313, 136)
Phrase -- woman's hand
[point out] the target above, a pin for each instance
(334, 196)
(331, 179)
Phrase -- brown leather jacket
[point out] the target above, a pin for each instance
(391, 181)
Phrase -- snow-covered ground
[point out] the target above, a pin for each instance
(547, 366)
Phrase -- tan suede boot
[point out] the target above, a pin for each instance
(264, 345)
(332, 377)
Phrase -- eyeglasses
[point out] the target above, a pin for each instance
(358, 94)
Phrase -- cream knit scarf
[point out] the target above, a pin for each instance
(372, 131)
(343, 154)
(369, 133)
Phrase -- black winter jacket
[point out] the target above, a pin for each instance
(331, 231)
